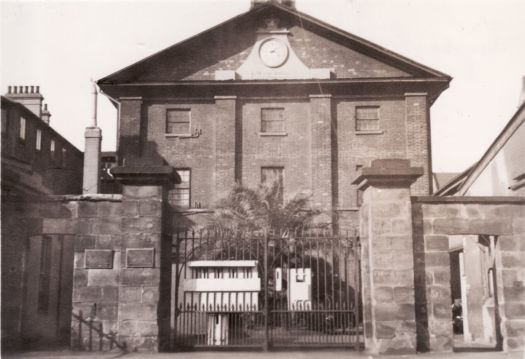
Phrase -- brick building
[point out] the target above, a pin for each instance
(274, 92)
(37, 162)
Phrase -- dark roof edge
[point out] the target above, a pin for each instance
(301, 15)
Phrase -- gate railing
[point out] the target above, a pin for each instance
(306, 292)
(89, 335)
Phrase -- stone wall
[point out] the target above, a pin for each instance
(435, 219)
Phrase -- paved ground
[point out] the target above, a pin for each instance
(257, 355)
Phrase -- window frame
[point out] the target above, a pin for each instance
(184, 186)
(167, 122)
(52, 149)
(63, 153)
(359, 120)
(38, 140)
(263, 131)
(22, 129)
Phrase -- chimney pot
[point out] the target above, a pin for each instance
(8, 89)
(32, 89)
(14, 89)
(26, 89)
(38, 89)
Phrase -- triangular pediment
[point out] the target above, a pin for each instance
(234, 50)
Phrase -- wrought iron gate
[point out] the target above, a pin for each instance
(261, 290)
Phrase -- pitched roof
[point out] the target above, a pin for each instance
(127, 75)
(515, 122)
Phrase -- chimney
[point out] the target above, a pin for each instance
(522, 94)
(29, 96)
(93, 139)
(288, 3)
(46, 115)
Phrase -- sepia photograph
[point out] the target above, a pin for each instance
(262, 179)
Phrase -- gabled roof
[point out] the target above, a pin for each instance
(515, 122)
(417, 70)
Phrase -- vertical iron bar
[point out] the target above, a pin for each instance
(91, 334)
(80, 330)
(265, 259)
(100, 336)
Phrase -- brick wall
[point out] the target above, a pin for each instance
(434, 221)
(40, 170)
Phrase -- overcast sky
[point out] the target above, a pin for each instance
(480, 43)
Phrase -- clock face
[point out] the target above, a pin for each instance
(273, 52)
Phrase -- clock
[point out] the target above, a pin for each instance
(273, 52)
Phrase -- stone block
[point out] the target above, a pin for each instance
(441, 343)
(436, 242)
(131, 294)
(516, 292)
(141, 192)
(104, 241)
(87, 209)
(108, 225)
(401, 226)
(453, 226)
(512, 259)
(54, 210)
(103, 277)
(515, 310)
(98, 259)
(79, 260)
(140, 276)
(383, 294)
(141, 225)
(80, 278)
(439, 294)
(109, 209)
(394, 311)
(150, 295)
(504, 210)
(150, 208)
(441, 311)
(139, 240)
(384, 331)
(59, 226)
(510, 243)
(109, 295)
(437, 259)
(442, 277)
(107, 311)
(130, 208)
(404, 294)
(137, 311)
(441, 210)
(492, 226)
(518, 227)
(83, 242)
(515, 328)
(86, 294)
(138, 328)
(386, 210)
(140, 257)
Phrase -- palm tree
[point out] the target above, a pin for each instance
(262, 210)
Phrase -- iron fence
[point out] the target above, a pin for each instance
(261, 290)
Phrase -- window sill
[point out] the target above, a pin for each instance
(273, 133)
(370, 132)
(179, 135)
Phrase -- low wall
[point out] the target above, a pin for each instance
(434, 220)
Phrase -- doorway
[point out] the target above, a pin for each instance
(474, 300)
